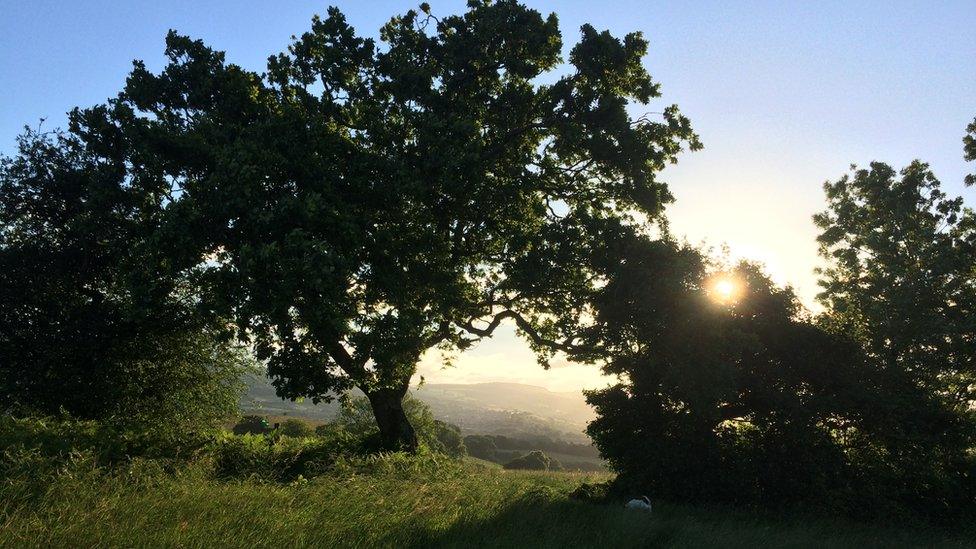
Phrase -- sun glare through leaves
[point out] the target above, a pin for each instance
(725, 289)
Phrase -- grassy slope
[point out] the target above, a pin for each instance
(473, 505)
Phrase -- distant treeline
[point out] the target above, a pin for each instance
(482, 446)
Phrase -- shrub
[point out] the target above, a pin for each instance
(107, 443)
(536, 460)
(447, 439)
(251, 424)
(481, 447)
(272, 458)
(296, 428)
(591, 491)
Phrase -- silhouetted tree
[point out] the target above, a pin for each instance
(747, 401)
(361, 203)
(901, 281)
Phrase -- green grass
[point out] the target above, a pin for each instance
(384, 502)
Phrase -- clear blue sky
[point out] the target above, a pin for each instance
(784, 94)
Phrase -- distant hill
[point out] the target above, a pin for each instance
(260, 398)
(510, 409)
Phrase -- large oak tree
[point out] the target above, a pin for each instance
(362, 202)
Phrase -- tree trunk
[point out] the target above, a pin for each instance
(396, 433)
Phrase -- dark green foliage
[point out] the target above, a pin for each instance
(88, 326)
(497, 447)
(481, 447)
(899, 279)
(596, 492)
(901, 266)
(254, 425)
(357, 420)
(295, 428)
(56, 440)
(969, 149)
(328, 430)
(273, 458)
(536, 460)
(449, 439)
(747, 402)
(365, 201)
(269, 457)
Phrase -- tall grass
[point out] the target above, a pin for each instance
(383, 501)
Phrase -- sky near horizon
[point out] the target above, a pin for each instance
(785, 95)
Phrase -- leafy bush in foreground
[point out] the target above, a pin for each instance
(295, 428)
(94, 320)
(107, 443)
(272, 458)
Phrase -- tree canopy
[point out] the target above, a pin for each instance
(362, 202)
(87, 324)
(901, 266)
(748, 401)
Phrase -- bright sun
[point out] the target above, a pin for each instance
(725, 290)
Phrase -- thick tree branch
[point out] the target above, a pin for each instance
(524, 325)
(347, 362)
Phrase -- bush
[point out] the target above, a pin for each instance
(536, 460)
(95, 321)
(591, 491)
(272, 458)
(481, 447)
(296, 428)
(447, 439)
(46, 445)
(107, 443)
(253, 425)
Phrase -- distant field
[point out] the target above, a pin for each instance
(393, 503)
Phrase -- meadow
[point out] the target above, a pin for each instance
(391, 500)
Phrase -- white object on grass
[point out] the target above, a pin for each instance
(643, 504)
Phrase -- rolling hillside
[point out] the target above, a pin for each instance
(509, 409)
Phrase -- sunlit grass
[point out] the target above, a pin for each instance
(388, 505)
